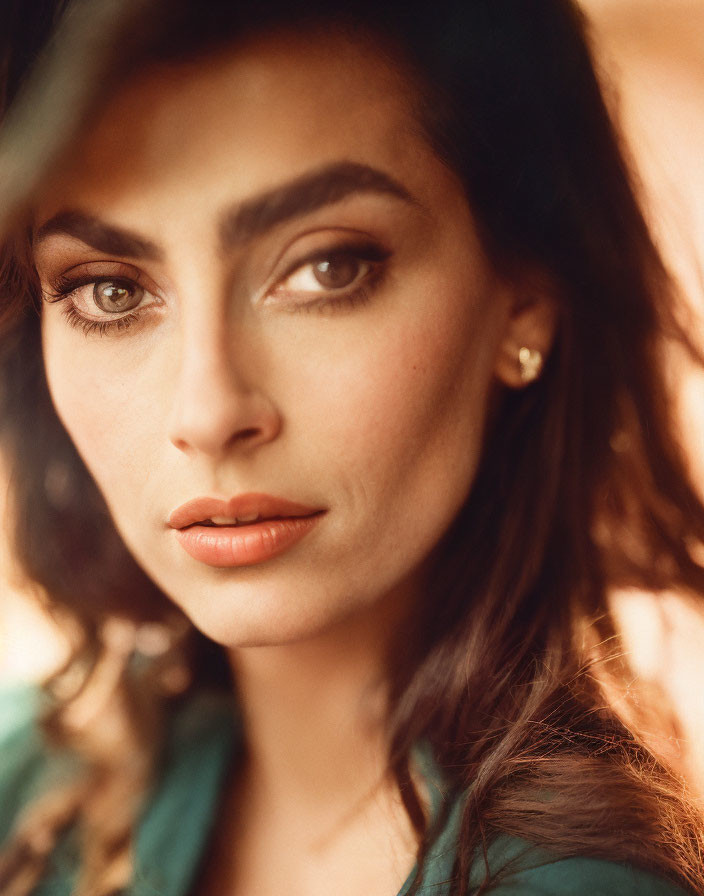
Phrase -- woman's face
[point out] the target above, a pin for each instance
(264, 286)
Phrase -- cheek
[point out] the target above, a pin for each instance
(400, 411)
(98, 402)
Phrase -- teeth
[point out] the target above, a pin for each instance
(233, 520)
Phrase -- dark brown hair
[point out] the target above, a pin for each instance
(582, 486)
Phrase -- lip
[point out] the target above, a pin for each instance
(282, 524)
(265, 506)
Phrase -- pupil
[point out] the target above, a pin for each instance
(114, 296)
(336, 272)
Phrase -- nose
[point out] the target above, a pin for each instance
(219, 406)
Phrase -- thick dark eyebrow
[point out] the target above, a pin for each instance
(99, 235)
(242, 223)
(302, 196)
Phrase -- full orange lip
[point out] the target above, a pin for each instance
(268, 507)
(247, 545)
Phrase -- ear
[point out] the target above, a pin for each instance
(528, 335)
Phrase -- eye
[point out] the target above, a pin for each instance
(336, 271)
(108, 303)
(117, 296)
(331, 277)
(340, 270)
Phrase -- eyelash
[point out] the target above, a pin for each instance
(63, 289)
(65, 286)
(101, 327)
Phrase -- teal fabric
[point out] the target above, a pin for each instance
(180, 812)
(21, 754)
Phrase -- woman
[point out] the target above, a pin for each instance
(352, 318)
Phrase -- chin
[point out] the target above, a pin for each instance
(238, 616)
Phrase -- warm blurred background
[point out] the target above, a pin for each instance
(30, 645)
(651, 58)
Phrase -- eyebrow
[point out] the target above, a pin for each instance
(302, 196)
(99, 235)
(243, 222)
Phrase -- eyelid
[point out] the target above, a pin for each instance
(83, 274)
(356, 244)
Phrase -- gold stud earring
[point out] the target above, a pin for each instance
(530, 362)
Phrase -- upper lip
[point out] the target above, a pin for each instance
(264, 506)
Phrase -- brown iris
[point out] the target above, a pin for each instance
(115, 296)
(337, 271)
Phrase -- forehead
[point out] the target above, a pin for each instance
(264, 112)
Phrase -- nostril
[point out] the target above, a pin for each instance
(225, 416)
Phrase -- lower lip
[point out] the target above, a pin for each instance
(229, 546)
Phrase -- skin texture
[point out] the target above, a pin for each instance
(374, 413)
(237, 379)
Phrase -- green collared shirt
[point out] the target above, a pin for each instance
(179, 814)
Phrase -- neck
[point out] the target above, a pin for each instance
(314, 713)
(314, 788)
